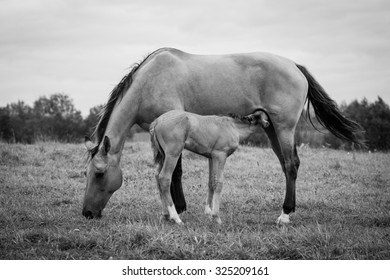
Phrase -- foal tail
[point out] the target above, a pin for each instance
(158, 153)
(328, 114)
(176, 187)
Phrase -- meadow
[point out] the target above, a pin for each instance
(343, 206)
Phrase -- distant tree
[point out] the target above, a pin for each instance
(51, 118)
(21, 122)
(381, 125)
(56, 118)
(375, 120)
(5, 125)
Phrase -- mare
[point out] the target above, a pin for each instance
(170, 79)
(215, 137)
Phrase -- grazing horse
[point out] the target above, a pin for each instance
(215, 137)
(169, 79)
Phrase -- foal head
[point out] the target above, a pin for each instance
(104, 177)
(257, 117)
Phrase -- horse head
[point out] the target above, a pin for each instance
(104, 177)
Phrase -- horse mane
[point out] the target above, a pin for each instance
(116, 95)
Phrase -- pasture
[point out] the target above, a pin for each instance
(343, 206)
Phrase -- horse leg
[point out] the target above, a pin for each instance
(177, 189)
(218, 163)
(291, 165)
(164, 182)
(275, 144)
(283, 145)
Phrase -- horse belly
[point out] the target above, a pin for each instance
(213, 96)
(215, 102)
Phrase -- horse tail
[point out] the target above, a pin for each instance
(158, 153)
(328, 114)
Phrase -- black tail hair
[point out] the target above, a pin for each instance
(329, 115)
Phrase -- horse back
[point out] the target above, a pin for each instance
(220, 84)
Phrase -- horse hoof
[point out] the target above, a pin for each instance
(283, 219)
(181, 208)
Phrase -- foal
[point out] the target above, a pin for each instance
(215, 137)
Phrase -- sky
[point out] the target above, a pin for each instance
(84, 48)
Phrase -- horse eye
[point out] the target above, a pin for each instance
(85, 173)
(99, 175)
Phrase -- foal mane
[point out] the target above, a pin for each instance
(116, 95)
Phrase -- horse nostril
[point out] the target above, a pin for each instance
(87, 214)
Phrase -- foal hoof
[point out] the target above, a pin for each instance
(283, 219)
(207, 210)
(218, 220)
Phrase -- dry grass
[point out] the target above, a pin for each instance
(343, 204)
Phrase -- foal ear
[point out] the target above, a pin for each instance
(106, 145)
(88, 143)
(262, 118)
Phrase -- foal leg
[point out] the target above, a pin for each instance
(164, 181)
(164, 209)
(209, 201)
(218, 163)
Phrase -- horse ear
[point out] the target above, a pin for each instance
(106, 145)
(88, 143)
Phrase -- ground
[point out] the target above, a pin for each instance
(343, 203)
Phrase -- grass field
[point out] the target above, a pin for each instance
(343, 207)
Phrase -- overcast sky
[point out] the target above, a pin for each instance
(84, 48)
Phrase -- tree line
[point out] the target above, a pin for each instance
(55, 118)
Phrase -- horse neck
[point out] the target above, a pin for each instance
(244, 129)
(121, 120)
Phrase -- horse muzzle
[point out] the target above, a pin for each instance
(91, 215)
